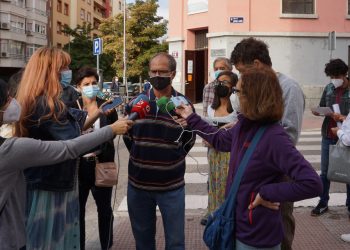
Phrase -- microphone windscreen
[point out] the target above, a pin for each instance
(141, 108)
(165, 105)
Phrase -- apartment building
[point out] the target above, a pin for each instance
(76, 12)
(26, 25)
(297, 32)
(23, 29)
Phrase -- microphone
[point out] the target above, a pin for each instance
(165, 104)
(140, 108)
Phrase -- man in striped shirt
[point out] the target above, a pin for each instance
(158, 147)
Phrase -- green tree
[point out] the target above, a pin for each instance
(143, 32)
(80, 50)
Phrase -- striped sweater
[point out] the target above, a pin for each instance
(158, 147)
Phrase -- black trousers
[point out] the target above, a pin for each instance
(102, 196)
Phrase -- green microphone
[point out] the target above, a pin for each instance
(165, 105)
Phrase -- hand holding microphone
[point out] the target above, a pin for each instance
(121, 126)
(184, 111)
(139, 108)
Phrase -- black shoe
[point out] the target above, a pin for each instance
(319, 209)
(204, 220)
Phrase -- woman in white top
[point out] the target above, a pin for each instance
(220, 113)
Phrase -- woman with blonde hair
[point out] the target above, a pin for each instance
(257, 217)
(52, 206)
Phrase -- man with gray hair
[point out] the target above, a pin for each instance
(220, 64)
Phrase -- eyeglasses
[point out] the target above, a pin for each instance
(235, 90)
(153, 73)
(217, 82)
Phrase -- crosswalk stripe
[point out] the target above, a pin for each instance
(310, 133)
(201, 202)
(313, 159)
(194, 160)
(308, 147)
(309, 139)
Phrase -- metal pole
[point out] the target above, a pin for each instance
(98, 70)
(124, 56)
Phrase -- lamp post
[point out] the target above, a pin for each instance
(124, 53)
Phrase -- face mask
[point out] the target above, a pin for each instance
(216, 73)
(12, 112)
(222, 90)
(90, 91)
(337, 82)
(160, 82)
(66, 77)
(235, 102)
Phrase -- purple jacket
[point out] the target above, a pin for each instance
(274, 157)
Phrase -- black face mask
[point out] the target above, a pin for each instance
(160, 82)
(222, 90)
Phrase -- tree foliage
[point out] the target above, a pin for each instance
(80, 49)
(143, 30)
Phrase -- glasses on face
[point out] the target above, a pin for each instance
(236, 91)
(217, 82)
(153, 73)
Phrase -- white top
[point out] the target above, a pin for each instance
(344, 132)
(232, 117)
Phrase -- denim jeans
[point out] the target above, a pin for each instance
(324, 169)
(142, 212)
(241, 246)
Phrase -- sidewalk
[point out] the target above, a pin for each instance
(312, 233)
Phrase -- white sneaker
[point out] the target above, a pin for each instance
(345, 237)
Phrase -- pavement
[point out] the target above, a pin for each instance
(312, 233)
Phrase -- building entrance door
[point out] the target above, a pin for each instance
(196, 73)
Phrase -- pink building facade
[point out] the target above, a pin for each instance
(297, 32)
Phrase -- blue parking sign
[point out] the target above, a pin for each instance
(97, 48)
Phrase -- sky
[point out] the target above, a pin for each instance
(163, 9)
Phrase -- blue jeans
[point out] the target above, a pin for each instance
(241, 246)
(142, 212)
(324, 169)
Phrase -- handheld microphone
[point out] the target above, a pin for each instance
(165, 104)
(140, 108)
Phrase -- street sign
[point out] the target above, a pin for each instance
(97, 48)
(236, 19)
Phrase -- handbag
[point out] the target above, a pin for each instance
(339, 163)
(106, 174)
(219, 230)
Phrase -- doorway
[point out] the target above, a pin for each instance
(196, 73)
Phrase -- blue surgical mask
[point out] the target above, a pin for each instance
(66, 77)
(90, 91)
(216, 73)
(12, 112)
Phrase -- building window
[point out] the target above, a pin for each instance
(120, 5)
(88, 17)
(59, 27)
(348, 7)
(298, 6)
(82, 14)
(66, 9)
(59, 6)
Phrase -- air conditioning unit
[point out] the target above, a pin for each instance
(5, 26)
(4, 54)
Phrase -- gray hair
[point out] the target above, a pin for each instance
(171, 60)
(225, 60)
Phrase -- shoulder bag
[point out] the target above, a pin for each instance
(106, 174)
(339, 163)
(219, 230)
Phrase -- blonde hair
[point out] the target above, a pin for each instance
(41, 79)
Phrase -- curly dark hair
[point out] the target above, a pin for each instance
(250, 49)
(233, 81)
(85, 72)
(336, 67)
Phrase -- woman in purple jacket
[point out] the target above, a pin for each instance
(258, 218)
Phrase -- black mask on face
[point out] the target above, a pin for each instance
(222, 90)
(160, 82)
